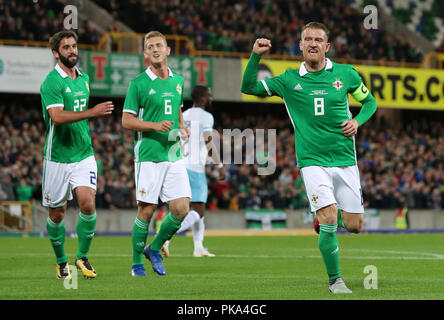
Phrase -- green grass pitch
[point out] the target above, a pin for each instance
(409, 266)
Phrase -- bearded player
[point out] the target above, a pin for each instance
(69, 164)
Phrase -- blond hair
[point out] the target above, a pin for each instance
(153, 34)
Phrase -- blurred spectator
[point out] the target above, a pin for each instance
(7, 192)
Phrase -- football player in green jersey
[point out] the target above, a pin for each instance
(316, 98)
(153, 110)
(69, 163)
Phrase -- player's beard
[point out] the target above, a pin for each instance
(67, 62)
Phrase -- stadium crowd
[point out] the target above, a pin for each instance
(39, 20)
(233, 25)
(398, 164)
(225, 25)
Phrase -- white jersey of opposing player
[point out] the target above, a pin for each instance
(195, 152)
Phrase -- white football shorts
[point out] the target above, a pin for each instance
(329, 185)
(60, 180)
(165, 180)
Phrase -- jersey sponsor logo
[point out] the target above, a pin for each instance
(298, 87)
(152, 91)
(167, 94)
(79, 93)
(337, 84)
(318, 92)
(179, 89)
(68, 89)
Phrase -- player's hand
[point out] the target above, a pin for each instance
(350, 127)
(163, 126)
(185, 133)
(103, 109)
(261, 45)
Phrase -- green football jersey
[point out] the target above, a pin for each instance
(153, 99)
(317, 103)
(70, 142)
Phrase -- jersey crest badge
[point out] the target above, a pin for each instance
(314, 198)
(179, 89)
(337, 84)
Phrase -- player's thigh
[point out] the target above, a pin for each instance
(347, 189)
(149, 177)
(176, 184)
(84, 181)
(198, 185)
(56, 188)
(319, 187)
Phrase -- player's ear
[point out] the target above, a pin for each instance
(55, 54)
(327, 47)
(168, 50)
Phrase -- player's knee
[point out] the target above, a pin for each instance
(87, 206)
(180, 208)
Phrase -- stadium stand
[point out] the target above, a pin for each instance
(227, 26)
(404, 163)
(423, 16)
(231, 26)
(38, 20)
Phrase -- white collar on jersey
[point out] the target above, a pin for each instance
(151, 74)
(63, 73)
(303, 70)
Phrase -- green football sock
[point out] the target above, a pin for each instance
(340, 221)
(56, 233)
(169, 227)
(86, 225)
(328, 245)
(138, 239)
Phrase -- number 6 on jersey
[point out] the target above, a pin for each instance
(168, 107)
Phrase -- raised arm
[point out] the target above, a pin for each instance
(250, 85)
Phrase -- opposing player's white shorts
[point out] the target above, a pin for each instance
(60, 179)
(329, 185)
(199, 186)
(165, 180)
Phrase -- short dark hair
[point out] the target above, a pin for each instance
(54, 41)
(199, 92)
(317, 25)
